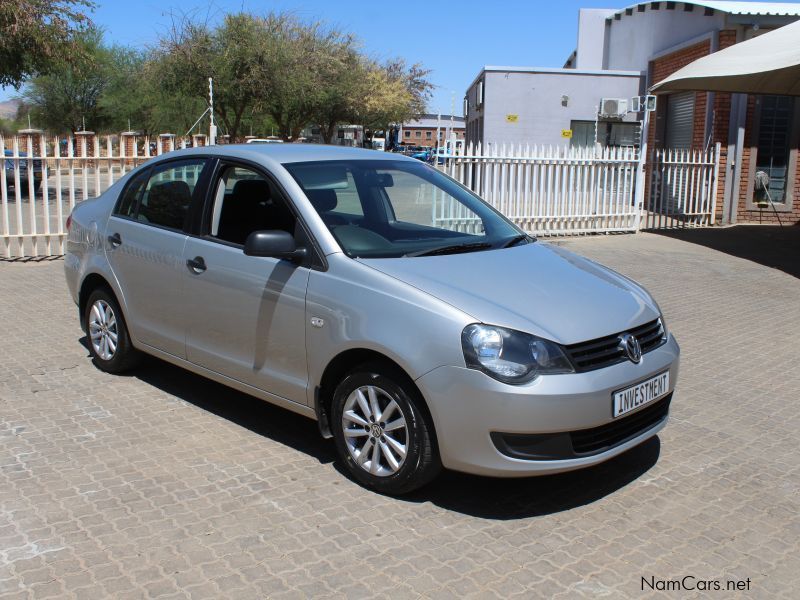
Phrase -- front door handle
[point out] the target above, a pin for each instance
(196, 264)
(115, 240)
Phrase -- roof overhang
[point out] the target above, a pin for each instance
(767, 64)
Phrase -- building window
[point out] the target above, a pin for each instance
(773, 143)
(479, 94)
(418, 134)
(582, 134)
(428, 135)
(407, 133)
(622, 134)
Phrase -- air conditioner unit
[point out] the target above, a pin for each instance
(613, 108)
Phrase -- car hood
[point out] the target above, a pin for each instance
(538, 288)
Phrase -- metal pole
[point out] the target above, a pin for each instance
(212, 131)
(638, 195)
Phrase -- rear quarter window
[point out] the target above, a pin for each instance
(128, 201)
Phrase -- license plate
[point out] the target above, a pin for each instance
(642, 393)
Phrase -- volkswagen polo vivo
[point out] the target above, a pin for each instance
(372, 293)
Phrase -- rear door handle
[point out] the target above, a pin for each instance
(196, 264)
(115, 240)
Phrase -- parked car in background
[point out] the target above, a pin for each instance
(330, 281)
(264, 141)
(423, 154)
(27, 168)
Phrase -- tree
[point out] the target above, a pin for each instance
(234, 54)
(38, 36)
(393, 93)
(65, 100)
(344, 88)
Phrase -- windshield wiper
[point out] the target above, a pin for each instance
(453, 249)
(517, 239)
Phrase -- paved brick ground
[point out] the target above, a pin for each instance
(165, 485)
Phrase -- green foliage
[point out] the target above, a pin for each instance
(270, 73)
(39, 36)
(62, 100)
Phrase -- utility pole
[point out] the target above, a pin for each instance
(641, 163)
(449, 130)
(212, 130)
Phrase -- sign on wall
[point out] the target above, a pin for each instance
(566, 133)
(512, 118)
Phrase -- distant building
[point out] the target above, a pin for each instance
(620, 54)
(424, 130)
(519, 105)
(345, 135)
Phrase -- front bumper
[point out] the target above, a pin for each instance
(468, 407)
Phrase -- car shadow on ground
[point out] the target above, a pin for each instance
(769, 245)
(506, 499)
(483, 497)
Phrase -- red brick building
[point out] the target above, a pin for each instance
(756, 133)
(653, 40)
(430, 130)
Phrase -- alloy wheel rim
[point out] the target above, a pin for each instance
(103, 330)
(375, 431)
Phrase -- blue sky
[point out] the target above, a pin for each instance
(454, 39)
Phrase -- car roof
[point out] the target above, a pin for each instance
(291, 153)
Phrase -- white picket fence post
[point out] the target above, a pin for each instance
(550, 190)
(545, 190)
(39, 187)
(683, 188)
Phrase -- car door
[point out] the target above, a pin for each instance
(145, 240)
(246, 313)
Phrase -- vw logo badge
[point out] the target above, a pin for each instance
(630, 345)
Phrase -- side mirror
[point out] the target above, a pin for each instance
(274, 243)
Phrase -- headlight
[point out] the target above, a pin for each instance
(511, 356)
(664, 330)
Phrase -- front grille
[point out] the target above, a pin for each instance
(583, 442)
(606, 351)
(599, 439)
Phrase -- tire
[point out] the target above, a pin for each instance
(356, 429)
(109, 355)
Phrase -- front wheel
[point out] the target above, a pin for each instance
(381, 431)
(109, 342)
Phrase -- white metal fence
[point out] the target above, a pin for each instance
(545, 190)
(44, 177)
(549, 190)
(682, 188)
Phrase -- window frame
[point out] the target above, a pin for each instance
(153, 169)
(202, 228)
(791, 165)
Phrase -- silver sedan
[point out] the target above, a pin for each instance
(372, 293)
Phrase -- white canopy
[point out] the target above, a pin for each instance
(767, 64)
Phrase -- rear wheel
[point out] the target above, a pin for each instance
(109, 342)
(381, 431)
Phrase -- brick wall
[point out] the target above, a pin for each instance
(663, 67)
(424, 140)
(667, 65)
(766, 215)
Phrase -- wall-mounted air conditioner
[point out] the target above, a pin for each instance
(613, 108)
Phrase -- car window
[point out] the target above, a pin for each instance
(130, 197)
(245, 201)
(168, 194)
(409, 209)
(332, 192)
(420, 202)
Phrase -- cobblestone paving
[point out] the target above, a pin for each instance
(163, 484)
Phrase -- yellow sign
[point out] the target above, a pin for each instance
(566, 133)
(512, 118)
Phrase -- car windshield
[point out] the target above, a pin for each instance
(389, 209)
